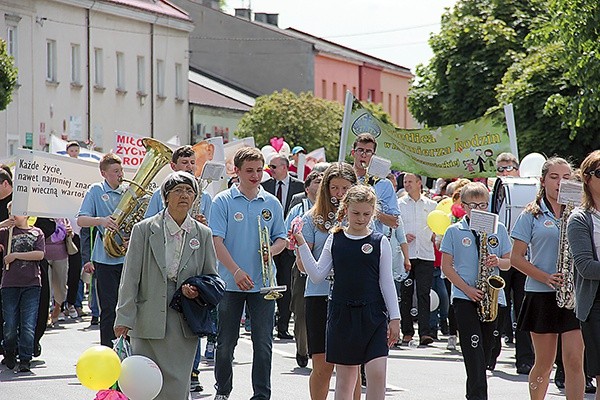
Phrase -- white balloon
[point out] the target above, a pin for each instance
(531, 165)
(434, 300)
(140, 378)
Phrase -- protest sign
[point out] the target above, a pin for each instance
(59, 146)
(465, 150)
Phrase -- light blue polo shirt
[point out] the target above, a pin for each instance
(233, 217)
(460, 243)
(317, 238)
(297, 211)
(100, 201)
(542, 234)
(387, 201)
(157, 204)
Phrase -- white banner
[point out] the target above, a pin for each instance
(50, 185)
(130, 148)
(59, 146)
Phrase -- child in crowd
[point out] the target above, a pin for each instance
(460, 264)
(363, 313)
(20, 287)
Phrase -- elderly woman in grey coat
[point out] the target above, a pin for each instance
(583, 233)
(163, 252)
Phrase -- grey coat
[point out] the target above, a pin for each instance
(580, 233)
(143, 301)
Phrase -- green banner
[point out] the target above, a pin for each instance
(463, 150)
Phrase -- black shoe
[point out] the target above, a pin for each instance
(94, 321)
(37, 351)
(301, 360)
(10, 360)
(24, 366)
(589, 385)
(284, 336)
(523, 369)
(559, 378)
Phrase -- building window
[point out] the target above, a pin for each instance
(141, 75)
(75, 64)
(99, 68)
(344, 90)
(324, 89)
(370, 95)
(390, 103)
(11, 42)
(354, 90)
(178, 82)
(120, 71)
(398, 111)
(51, 60)
(334, 91)
(160, 78)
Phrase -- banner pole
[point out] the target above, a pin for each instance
(512, 131)
(345, 125)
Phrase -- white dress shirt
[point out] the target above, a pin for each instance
(414, 216)
(174, 240)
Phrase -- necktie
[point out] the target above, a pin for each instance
(279, 184)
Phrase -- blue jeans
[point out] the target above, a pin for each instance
(20, 309)
(198, 356)
(263, 318)
(439, 287)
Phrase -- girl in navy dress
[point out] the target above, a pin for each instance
(363, 313)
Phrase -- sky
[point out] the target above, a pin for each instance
(394, 30)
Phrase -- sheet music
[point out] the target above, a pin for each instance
(213, 171)
(570, 192)
(483, 221)
(379, 167)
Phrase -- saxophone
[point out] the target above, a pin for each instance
(196, 208)
(489, 284)
(270, 288)
(565, 294)
(135, 199)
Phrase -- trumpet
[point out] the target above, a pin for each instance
(270, 288)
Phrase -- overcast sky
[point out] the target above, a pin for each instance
(394, 30)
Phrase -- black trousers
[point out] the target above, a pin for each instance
(108, 278)
(44, 308)
(514, 290)
(284, 262)
(74, 273)
(476, 341)
(452, 329)
(422, 273)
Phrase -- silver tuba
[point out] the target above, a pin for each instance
(489, 284)
(270, 288)
(565, 294)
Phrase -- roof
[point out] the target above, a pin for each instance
(208, 92)
(162, 7)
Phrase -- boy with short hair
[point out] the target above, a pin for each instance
(20, 287)
(100, 201)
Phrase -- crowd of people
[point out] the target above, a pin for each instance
(355, 262)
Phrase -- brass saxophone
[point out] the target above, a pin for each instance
(135, 199)
(489, 284)
(270, 288)
(196, 208)
(565, 294)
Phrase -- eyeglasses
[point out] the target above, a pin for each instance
(181, 191)
(366, 152)
(506, 168)
(595, 172)
(473, 206)
(272, 166)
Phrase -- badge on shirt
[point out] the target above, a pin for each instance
(466, 242)
(266, 214)
(367, 248)
(194, 243)
(548, 223)
(493, 241)
(35, 233)
(238, 217)
(105, 197)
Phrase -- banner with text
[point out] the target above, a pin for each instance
(51, 185)
(463, 150)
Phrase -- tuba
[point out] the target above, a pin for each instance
(489, 284)
(270, 288)
(135, 199)
(565, 294)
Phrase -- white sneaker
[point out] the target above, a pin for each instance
(61, 317)
(451, 342)
(72, 312)
(221, 397)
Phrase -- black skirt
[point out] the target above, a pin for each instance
(540, 314)
(316, 323)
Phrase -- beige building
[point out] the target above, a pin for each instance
(88, 68)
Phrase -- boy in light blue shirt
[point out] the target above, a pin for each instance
(235, 217)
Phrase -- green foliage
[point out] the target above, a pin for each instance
(8, 76)
(301, 119)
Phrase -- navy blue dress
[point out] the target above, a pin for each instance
(357, 316)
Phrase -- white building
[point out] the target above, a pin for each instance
(88, 68)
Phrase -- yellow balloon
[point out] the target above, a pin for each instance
(445, 205)
(98, 368)
(31, 220)
(438, 221)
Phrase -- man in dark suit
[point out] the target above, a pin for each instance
(283, 186)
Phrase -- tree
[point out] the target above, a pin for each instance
(8, 76)
(301, 119)
(478, 41)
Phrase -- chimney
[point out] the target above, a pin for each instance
(214, 4)
(260, 17)
(243, 13)
(273, 19)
